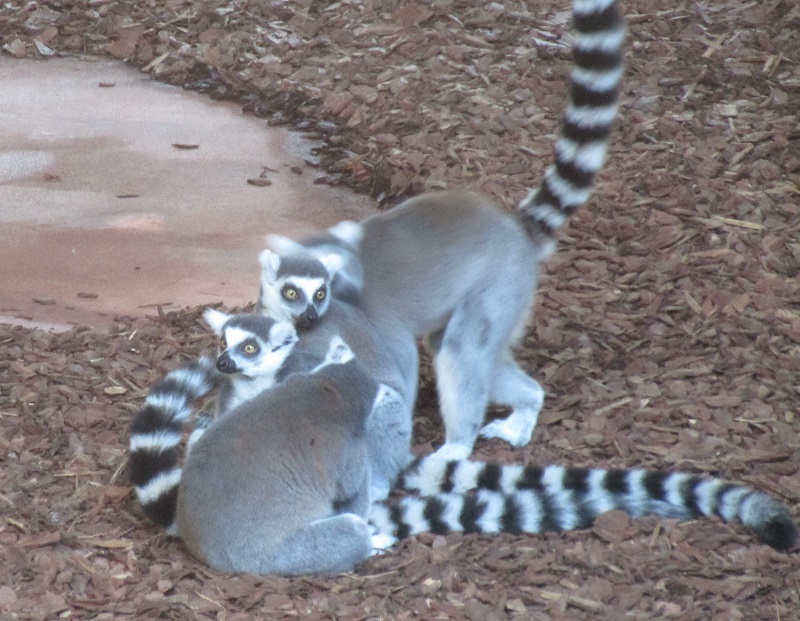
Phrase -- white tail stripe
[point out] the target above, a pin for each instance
(155, 442)
(604, 41)
(588, 157)
(598, 81)
(173, 406)
(158, 486)
(452, 513)
(466, 476)
(491, 519)
(591, 116)
(567, 193)
(509, 477)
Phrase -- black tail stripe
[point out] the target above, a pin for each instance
(608, 18)
(472, 511)
(511, 519)
(531, 478)
(433, 512)
(576, 479)
(688, 492)
(402, 528)
(653, 482)
(583, 96)
(144, 465)
(597, 60)
(581, 133)
(551, 517)
(616, 482)
(447, 479)
(151, 418)
(489, 478)
(576, 176)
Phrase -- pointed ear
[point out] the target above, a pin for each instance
(216, 319)
(270, 262)
(348, 231)
(333, 263)
(283, 332)
(339, 352)
(284, 245)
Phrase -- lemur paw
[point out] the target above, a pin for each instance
(381, 543)
(517, 429)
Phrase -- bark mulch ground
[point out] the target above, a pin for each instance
(667, 331)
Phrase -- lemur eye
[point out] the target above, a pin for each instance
(223, 343)
(320, 294)
(290, 293)
(250, 348)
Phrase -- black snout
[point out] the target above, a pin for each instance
(225, 364)
(308, 317)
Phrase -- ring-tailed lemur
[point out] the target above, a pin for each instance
(453, 267)
(280, 484)
(253, 350)
(489, 498)
(255, 353)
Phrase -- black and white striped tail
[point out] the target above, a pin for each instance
(580, 150)
(156, 434)
(480, 497)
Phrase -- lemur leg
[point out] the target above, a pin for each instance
(389, 428)
(512, 386)
(328, 546)
(465, 364)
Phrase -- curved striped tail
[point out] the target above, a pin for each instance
(580, 150)
(156, 433)
(480, 497)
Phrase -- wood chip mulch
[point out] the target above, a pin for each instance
(667, 332)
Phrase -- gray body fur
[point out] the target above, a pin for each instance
(280, 485)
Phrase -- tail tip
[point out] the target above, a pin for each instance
(779, 532)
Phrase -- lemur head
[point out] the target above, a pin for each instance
(296, 286)
(251, 344)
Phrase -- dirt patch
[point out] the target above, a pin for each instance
(667, 332)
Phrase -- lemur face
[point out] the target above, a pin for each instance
(296, 287)
(251, 345)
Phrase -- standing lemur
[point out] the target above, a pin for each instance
(279, 481)
(456, 269)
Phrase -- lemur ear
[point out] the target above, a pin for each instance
(283, 332)
(333, 263)
(216, 319)
(347, 231)
(284, 245)
(270, 262)
(339, 352)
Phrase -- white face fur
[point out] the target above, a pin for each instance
(246, 353)
(300, 299)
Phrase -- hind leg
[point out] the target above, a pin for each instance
(465, 365)
(389, 437)
(512, 386)
(328, 546)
